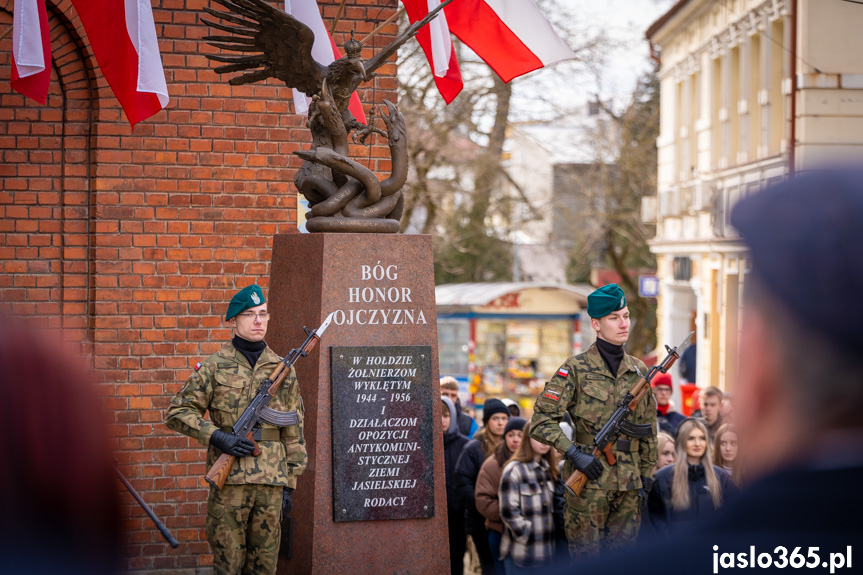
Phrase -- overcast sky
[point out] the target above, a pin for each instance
(624, 22)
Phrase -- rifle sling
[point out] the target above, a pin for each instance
(625, 445)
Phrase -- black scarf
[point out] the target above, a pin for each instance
(251, 349)
(611, 354)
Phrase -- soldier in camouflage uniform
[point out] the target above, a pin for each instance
(243, 519)
(589, 386)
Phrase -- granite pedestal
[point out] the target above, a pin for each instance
(381, 287)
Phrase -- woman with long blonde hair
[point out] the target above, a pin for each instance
(692, 488)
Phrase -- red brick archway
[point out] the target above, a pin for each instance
(46, 169)
(133, 239)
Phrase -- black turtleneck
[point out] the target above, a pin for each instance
(251, 349)
(611, 354)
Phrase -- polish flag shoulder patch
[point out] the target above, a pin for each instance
(563, 372)
(198, 366)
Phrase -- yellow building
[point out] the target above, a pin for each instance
(750, 91)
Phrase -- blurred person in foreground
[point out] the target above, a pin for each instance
(59, 498)
(799, 391)
(691, 489)
(589, 386)
(466, 423)
(453, 445)
(488, 484)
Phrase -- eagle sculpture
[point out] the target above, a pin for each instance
(344, 195)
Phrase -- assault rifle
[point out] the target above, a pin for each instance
(619, 422)
(258, 411)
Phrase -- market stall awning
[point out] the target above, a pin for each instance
(511, 298)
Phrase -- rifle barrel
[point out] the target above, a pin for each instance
(162, 529)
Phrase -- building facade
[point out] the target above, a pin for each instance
(133, 240)
(507, 339)
(751, 91)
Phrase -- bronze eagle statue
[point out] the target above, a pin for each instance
(343, 194)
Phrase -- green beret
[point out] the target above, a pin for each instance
(605, 300)
(249, 296)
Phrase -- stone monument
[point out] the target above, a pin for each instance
(373, 497)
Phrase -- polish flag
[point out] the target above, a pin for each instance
(122, 34)
(31, 50)
(512, 36)
(435, 41)
(324, 50)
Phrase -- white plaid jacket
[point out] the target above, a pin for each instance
(526, 497)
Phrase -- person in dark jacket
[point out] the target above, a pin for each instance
(453, 445)
(692, 489)
(495, 416)
(687, 362)
(668, 419)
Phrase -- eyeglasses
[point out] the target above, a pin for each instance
(263, 315)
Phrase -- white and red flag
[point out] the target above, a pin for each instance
(511, 36)
(122, 34)
(324, 50)
(435, 41)
(31, 50)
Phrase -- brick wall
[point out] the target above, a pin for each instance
(133, 240)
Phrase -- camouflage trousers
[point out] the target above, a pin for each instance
(601, 520)
(244, 529)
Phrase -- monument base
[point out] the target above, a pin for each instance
(381, 288)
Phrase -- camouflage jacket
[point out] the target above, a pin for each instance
(224, 385)
(584, 387)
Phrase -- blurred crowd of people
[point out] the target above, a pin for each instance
(502, 485)
(763, 480)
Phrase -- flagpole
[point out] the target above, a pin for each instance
(9, 31)
(384, 23)
(338, 16)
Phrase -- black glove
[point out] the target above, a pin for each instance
(646, 484)
(585, 462)
(232, 444)
(287, 500)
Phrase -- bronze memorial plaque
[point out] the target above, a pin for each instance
(383, 448)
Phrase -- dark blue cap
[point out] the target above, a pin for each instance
(805, 236)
